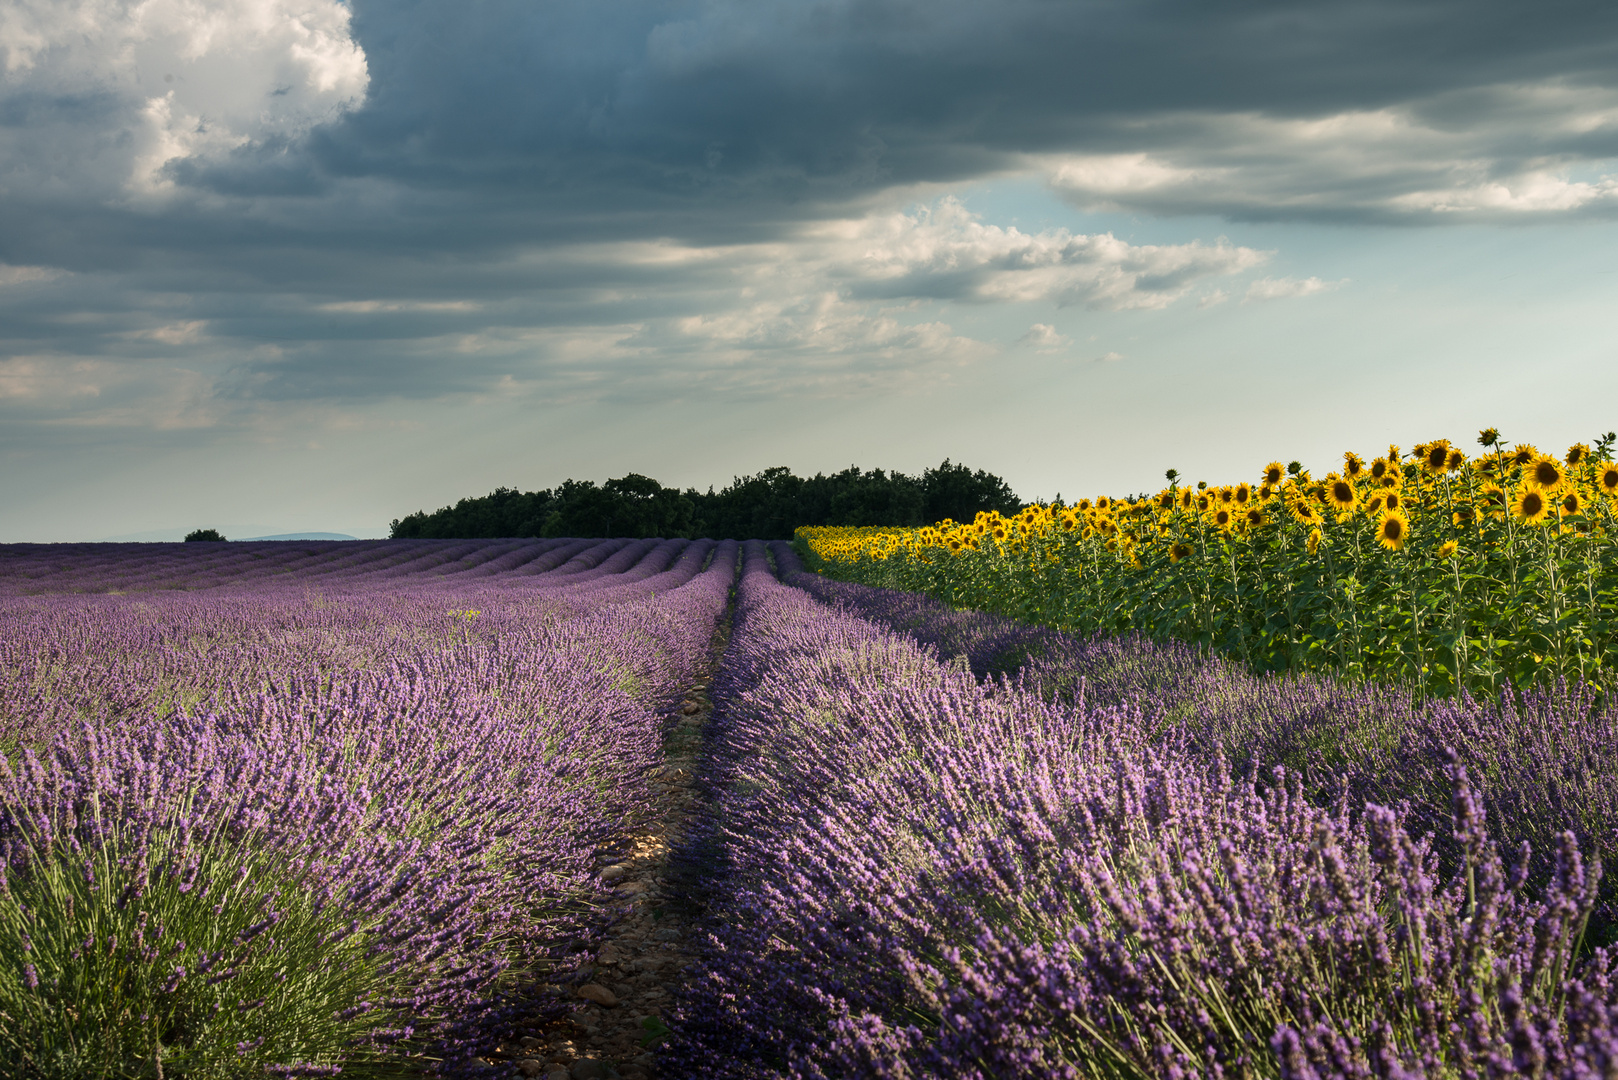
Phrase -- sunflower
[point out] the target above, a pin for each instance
(1188, 499)
(1305, 513)
(1253, 518)
(1577, 454)
(1435, 457)
(1494, 497)
(1226, 494)
(1353, 465)
(1392, 501)
(1264, 492)
(1607, 478)
(1488, 437)
(999, 532)
(1545, 473)
(1273, 472)
(1070, 520)
(1523, 454)
(1244, 493)
(1530, 506)
(1179, 551)
(954, 545)
(1165, 500)
(1341, 493)
(1084, 504)
(1572, 503)
(1103, 502)
(1314, 541)
(1463, 515)
(1447, 548)
(1486, 467)
(1393, 530)
(1203, 503)
(1379, 468)
(1223, 517)
(1456, 460)
(1374, 505)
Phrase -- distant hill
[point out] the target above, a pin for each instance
(259, 532)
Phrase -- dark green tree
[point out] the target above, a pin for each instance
(203, 534)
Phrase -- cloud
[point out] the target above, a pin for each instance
(131, 88)
(1492, 153)
(1043, 337)
(945, 252)
(251, 205)
(1285, 288)
(1109, 357)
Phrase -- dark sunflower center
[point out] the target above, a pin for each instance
(1532, 503)
(1547, 473)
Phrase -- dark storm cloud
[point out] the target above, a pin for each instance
(467, 198)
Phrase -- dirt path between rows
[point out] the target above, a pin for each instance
(631, 980)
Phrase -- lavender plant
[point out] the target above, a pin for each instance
(267, 829)
(928, 874)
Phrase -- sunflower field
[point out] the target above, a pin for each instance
(1448, 571)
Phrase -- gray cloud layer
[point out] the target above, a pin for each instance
(203, 219)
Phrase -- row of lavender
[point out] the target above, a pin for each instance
(1064, 873)
(298, 809)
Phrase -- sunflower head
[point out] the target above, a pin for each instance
(1304, 512)
(1314, 541)
(1188, 499)
(1273, 472)
(1341, 493)
(1531, 506)
(1204, 502)
(1607, 477)
(1243, 493)
(1374, 505)
(1179, 551)
(1224, 517)
(1577, 454)
(1447, 548)
(1523, 454)
(1463, 515)
(1435, 457)
(1103, 502)
(1226, 495)
(1545, 473)
(1379, 468)
(999, 532)
(1353, 465)
(1393, 530)
(1253, 518)
(1393, 501)
(1456, 459)
(1265, 491)
(1165, 500)
(1488, 437)
(1572, 503)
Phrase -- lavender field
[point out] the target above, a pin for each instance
(309, 808)
(298, 809)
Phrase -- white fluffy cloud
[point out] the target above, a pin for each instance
(170, 80)
(1043, 337)
(1285, 288)
(946, 252)
(1497, 152)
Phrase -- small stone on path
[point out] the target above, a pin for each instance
(597, 993)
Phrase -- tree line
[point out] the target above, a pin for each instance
(767, 506)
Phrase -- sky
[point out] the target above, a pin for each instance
(283, 265)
